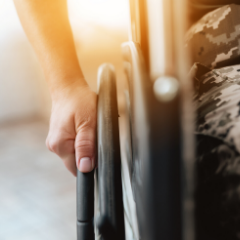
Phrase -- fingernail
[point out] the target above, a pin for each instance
(85, 164)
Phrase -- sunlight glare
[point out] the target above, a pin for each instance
(110, 13)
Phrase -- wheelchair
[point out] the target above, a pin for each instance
(158, 138)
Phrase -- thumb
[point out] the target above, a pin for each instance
(85, 149)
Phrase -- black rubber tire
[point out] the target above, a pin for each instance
(111, 220)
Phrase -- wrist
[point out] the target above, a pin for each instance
(64, 89)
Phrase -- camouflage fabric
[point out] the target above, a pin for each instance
(215, 39)
(217, 102)
(215, 43)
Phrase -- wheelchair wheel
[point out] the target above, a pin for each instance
(110, 222)
(109, 217)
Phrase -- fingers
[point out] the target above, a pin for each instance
(78, 152)
(85, 149)
(58, 143)
(72, 132)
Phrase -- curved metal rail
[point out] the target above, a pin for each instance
(157, 138)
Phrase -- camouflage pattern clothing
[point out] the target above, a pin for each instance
(217, 102)
(218, 105)
(215, 40)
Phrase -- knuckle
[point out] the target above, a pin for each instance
(87, 126)
(60, 144)
(86, 121)
(53, 145)
(84, 144)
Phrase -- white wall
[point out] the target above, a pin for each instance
(23, 92)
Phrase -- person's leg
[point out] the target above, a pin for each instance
(214, 39)
(214, 42)
(218, 152)
(217, 190)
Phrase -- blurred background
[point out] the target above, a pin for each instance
(37, 194)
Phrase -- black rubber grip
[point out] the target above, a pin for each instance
(85, 205)
(85, 230)
(85, 196)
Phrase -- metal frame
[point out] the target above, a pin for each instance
(161, 144)
(162, 132)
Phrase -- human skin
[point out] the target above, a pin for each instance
(72, 131)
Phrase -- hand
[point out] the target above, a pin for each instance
(72, 132)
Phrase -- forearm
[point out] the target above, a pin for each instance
(47, 27)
